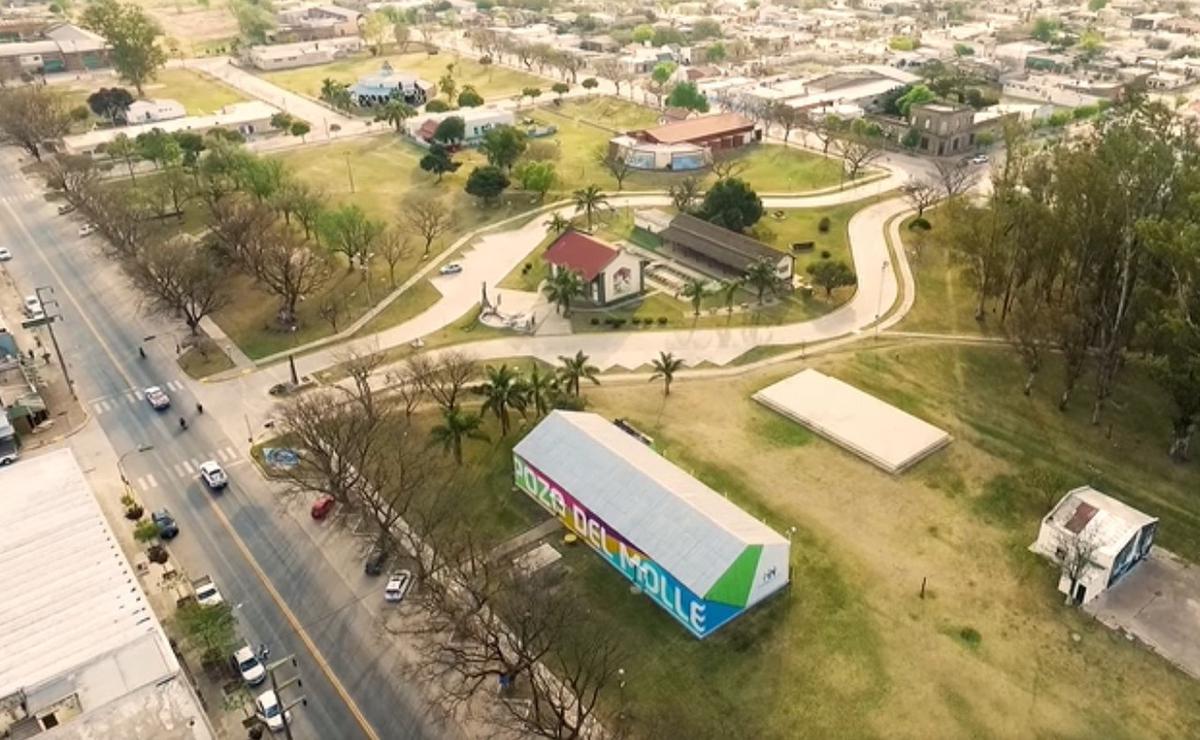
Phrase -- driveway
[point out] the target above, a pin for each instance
(1158, 602)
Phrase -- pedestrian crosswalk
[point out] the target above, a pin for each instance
(134, 396)
(188, 469)
(18, 197)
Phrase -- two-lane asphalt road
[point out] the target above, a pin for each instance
(286, 594)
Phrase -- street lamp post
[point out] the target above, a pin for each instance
(53, 339)
(121, 460)
(349, 173)
(879, 301)
(292, 358)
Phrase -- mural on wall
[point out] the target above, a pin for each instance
(689, 161)
(622, 281)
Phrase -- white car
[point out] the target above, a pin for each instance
(157, 398)
(212, 475)
(5, 255)
(268, 710)
(397, 586)
(249, 666)
(33, 307)
(451, 269)
(980, 159)
(207, 593)
(87, 229)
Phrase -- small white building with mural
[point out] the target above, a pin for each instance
(609, 273)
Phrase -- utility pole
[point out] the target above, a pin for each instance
(53, 339)
(276, 687)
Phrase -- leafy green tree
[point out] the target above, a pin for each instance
(660, 77)
(729, 293)
(763, 278)
(456, 427)
(31, 115)
(125, 149)
(1046, 30)
(1091, 44)
(159, 147)
(706, 28)
(915, 95)
(731, 203)
(563, 287)
(437, 106)
(300, 128)
(694, 290)
(447, 84)
(536, 177)
(211, 629)
(687, 95)
(132, 36)
(192, 144)
(281, 121)
(504, 390)
(540, 387)
(111, 103)
(395, 112)
(831, 275)
(665, 366)
(503, 145)
(469, 97)
(665, 35)
(590, 201)
(590, 83)
(450, 131)
(348, 230)
(560, 89)
(716, 53)
(575, 369)
(556, 223)
(262, 177)
(487, 183)
(641, 34)
(533, 93)
(963, 50)
(439, 161)
(255, 19)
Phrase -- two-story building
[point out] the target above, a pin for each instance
(945, 129)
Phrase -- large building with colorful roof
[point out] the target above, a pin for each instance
(689, 549)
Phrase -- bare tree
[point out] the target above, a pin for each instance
(858, 152)
(335, 441)
(238, 223)
(921, 194)
(429, 217)
(445, 378)
(614, 163)
(393, 247)
(727, 163)
(954, 176)
(181, 277)
(685, 193)
(331, 309)
(612, 69)
(785, 116)
(32, 115)
(566, 693)
(408, 383)
(1075, 554)
(288, 267)
(360, 363)
(73, 175)
(1028, 328)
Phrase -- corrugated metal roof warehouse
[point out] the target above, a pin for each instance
(693, 551)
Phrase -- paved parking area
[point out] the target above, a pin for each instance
(1158, 602)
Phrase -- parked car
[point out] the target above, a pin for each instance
(87, 229)
(397, 586)
(451, 269)
(322, 506)
(206, 591)
(157, 398)
(980, 159)
(267, 708)
(249, 666)
(212, 475)
(167, 528)
(65, 208)
(375, 561)
(33, 307)
(9, 452)
(5, 255)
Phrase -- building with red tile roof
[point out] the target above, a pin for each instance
(609, 272)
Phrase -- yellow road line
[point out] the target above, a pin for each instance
(258, 571)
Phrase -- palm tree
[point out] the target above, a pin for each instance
(557, 223)
(761, 276)
(329, 88)
(455, 427)
(694, 289)
(505, 389)
(590, 200)
(539, 388)
(396, 112)
(574, 369)
(563, 287)
(665, 367)
(729, 293)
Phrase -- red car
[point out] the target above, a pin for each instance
(322, 506)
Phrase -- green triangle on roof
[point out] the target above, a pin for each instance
(733, 587)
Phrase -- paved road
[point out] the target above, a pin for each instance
(233, 535)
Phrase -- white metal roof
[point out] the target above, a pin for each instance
(68, 596)
(865, 425)
(683, 525)
(234, 114)
(1110, 525)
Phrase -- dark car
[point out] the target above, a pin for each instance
(322, 506)
(375, 561)
(167, 528)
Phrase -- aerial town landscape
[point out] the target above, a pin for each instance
(575, 369)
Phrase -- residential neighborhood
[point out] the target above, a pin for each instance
(576, 370)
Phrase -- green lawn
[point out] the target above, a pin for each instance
(851, 649)
(946, 299)
(492, 82)
(198, 94)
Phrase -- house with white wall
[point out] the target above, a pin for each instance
(1095, 539)
(149, 111)
(609, 273)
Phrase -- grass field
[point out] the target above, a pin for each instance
(586, 125)
(198, 94)
(490, 81)
(851, 650)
